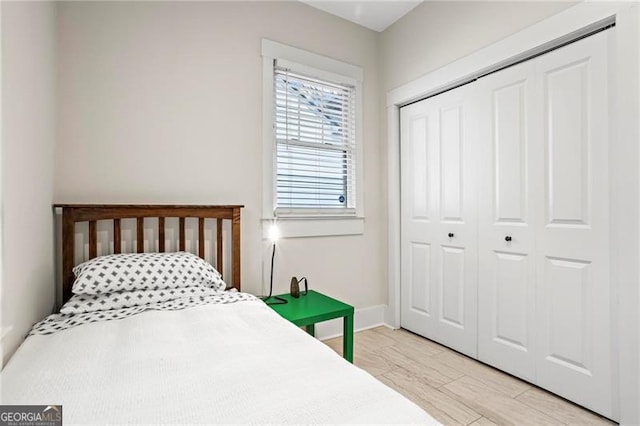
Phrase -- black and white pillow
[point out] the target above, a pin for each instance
(81, 303)
(144, 271)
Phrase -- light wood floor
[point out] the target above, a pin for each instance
(455, 389)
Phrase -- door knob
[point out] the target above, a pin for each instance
(451, 235)
(507, 238)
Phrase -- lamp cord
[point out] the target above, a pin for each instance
(278, 300)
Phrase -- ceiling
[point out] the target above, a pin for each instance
(373, 14)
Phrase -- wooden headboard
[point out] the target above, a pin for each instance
(91, 213)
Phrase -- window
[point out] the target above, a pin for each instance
(315, 144)
(312, 150)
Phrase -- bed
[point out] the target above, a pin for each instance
(222, 356)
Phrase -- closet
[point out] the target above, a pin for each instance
(505, 221)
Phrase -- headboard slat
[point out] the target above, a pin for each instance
(117, 242)
(201, 237)
(74, 213)
(219, 245)
(93, 239)
(161, 248)
(182, 237)
(140, 234)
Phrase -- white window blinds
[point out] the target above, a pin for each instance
(315, 122)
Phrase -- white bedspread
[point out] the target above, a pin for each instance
(225, 363)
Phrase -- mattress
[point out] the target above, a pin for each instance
(216, 363)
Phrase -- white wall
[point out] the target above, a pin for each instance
(28, 133)
(161, 102)
(438, 32)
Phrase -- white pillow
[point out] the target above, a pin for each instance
(82, 303)
(144, 271)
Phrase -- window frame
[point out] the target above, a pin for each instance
(307, 222)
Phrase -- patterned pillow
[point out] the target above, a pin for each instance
(144, 271)
(82, 303)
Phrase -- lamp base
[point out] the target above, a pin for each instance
(273, 300)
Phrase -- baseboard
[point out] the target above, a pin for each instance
(363, 319)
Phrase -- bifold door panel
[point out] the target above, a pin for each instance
(572, 236)
(439, 221)
(509, 186)
(505, 221)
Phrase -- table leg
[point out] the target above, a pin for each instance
(347, 338)
(311, 329)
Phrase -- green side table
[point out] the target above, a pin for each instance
(315, 307)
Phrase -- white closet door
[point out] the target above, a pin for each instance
(439, 235)
(419, 217)
(508, 191)
(572, 236)
(457, 235)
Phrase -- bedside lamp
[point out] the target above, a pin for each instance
(274, 234)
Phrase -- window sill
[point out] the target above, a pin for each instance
(289, 227)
